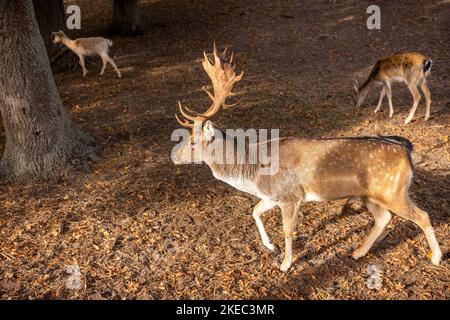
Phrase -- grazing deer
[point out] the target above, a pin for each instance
(377, 170)
(88, 47)
(411, 68)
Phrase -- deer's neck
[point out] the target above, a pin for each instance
(69, 43)
(247, 172)
(364, 89)
(242, 176)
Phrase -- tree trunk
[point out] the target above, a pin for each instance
(51, 17)
(125, 18)
(41, 139)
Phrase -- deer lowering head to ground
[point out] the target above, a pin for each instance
(88, 47)
(377, 170)
(411, 68)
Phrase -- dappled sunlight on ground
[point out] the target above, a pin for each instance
(140, 227)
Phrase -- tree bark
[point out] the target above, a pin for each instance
(50, 16)
(41, 139)
(125, 18)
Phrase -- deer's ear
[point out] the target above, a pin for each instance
(208, 130)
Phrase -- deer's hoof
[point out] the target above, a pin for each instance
(273, 248)
(276, 249)
(285, 266)
(436, 258)
(357, 254)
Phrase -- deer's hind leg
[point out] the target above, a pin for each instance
(426, 93)
(111, 62)
(408, 210)
(104, 64)
(382, 217)
(107, 59)
(412, 86)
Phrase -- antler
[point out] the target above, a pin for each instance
(221, 73)
(185, 112)
(222, 77)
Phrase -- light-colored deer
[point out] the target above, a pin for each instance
(88, 47)
(377, 170)
(411, 68)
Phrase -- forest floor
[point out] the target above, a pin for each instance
(139, 227)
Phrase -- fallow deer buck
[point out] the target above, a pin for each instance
(88, 47)
(411, 68)
(377, 170)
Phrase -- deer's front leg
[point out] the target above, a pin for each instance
(258, 212)
(389, 96)
(380, 101)
(82, 64)
(289, 212)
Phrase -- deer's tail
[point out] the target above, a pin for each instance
(427, 64)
